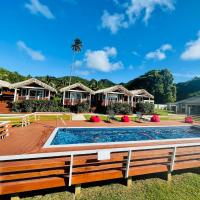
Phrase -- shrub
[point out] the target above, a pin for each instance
(145, 108)
(119, 108)
(38, 106)
(82, 107)
(16, 107)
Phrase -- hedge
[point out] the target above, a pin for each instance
(82, 107)
(38, 106)
(145, 108)
(119, 109)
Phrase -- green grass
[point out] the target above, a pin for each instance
(182, 187)
(104, 117)
(17, 121)
(163, 112)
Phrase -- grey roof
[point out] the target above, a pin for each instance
(114, 88)
(142, 92)
(191, 100)
(85, 88)
(33, 80)
(5, 84)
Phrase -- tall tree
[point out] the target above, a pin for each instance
(76, 48)
(157, 82)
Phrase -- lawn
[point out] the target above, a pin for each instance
(163, 112)
(182, 187)
(104, 117)
(17, 121)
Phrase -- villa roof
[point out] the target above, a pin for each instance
(114, 88)
(33, 80)
(5, 84)
(80, 85)
(142, 92)
(191, 100)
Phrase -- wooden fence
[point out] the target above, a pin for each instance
(20, 173)
(4, 131)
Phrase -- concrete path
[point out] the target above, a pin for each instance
(76, 117)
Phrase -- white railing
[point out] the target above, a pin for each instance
(25, 119)
(4, 131)
(129, 150)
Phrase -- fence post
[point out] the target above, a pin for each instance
(7, 132)
(171, 167)
(129, 179)
(22, 121)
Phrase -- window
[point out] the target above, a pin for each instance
(112, 97)
(75, 95)
(24, 92)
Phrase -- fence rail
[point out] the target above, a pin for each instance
(25, 172)
(4, 131)
(25, 119)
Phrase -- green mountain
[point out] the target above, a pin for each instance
(11, 77)
(160, 83)
(188, 89)
(157, 82)
(59, 82)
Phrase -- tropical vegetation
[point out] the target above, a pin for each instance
(157, 82)
(38, 106)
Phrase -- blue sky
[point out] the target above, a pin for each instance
(122, 39)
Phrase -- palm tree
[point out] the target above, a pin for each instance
(76, 48)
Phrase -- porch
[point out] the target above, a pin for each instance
(32, 89)
(31, 93)
(75, 94)
(74, 97)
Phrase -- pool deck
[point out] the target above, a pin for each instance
(31, 139)
(35, 174)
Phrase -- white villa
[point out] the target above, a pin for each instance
(142, 95)
(76, 93)
(115, 94)
(32, 89)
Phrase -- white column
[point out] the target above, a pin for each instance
(90, 99)
(15, 95)
(106, 99)
(49, 96)
(63, 98)
(28, 94)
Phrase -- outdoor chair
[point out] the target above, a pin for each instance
(139, 117)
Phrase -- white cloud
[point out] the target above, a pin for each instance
(192, 51)
(166, 47)
(35, 55)
(137, 7)
(100, 60)
(159, 54)
(35, 7)
(133, 11)
(135, 53)
(113, 22)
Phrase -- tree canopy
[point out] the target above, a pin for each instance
(158, 82)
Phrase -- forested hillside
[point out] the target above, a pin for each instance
(160, 83)
(188, 89)
(60, 82)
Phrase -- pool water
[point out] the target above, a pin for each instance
(67, 136)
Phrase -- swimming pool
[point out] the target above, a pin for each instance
(62, 137)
